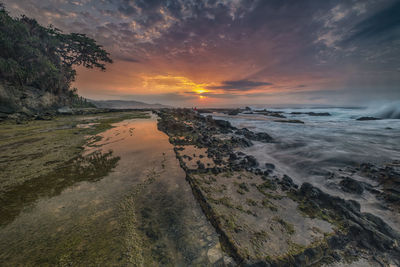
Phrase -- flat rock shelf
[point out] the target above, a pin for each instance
(263, 217)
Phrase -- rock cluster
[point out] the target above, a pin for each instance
(356, 233)
(364, 230)
(388, 176)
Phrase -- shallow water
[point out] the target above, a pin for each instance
(143, 212)
(307, 152)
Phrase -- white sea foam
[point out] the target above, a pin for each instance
(389, 111)
(307, 152)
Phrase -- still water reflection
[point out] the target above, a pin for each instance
(141, 213)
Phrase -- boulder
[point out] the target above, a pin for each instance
(287, 183)
(270, 166)
(351, 186)
(234, 112)
(223, 124)
(262, 137)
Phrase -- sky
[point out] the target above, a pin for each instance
(234, 52)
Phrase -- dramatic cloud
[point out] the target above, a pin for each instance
(215, 52)
(241, 85)
(385, 25)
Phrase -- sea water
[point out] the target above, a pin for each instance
(323, 145)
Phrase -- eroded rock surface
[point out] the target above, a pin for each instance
(265, 219)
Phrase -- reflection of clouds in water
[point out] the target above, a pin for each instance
(84, 218)
(67, 178)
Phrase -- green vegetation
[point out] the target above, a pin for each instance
(139, 238)
(287, 226)
(258, 238)
(324, 214)
(89, 168)
(251, 202)
(243, 188)
(44, 57)
(230, 224)
(226, 201)
(268, 204)
(37, 148)
(267, 185)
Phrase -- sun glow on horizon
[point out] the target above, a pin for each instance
(174, 84)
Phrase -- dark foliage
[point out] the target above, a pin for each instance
(43, 57)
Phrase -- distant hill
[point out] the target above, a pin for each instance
(125, 104)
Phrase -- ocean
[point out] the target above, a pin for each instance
(325, 145)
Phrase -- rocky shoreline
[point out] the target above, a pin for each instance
(51, 114)
(265, 219)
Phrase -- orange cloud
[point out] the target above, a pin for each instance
(172, 84)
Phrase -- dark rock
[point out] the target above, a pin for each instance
(277, 114)
(368, 119)
(366, 229)
(336, 242)
(223, 124)
(258, 171)
(319, 113)
(309, 191)
(312, 113)
(270, 166)
(7, 108)
(3, 116)
(200, 165)
(243, 131)
(234, 112)
(204, 111)
(352, 186)
(262, 137)
(290, 121)
(242, 142)
(251, 161)
(388, 177)
(43, 117)
(267, 172)
(287, 183)
(233, 157)
(215, 170)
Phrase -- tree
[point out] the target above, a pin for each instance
(44, 57)
(78, 49)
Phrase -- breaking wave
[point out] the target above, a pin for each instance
(389, 111)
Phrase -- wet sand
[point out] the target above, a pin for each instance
(142, 213)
